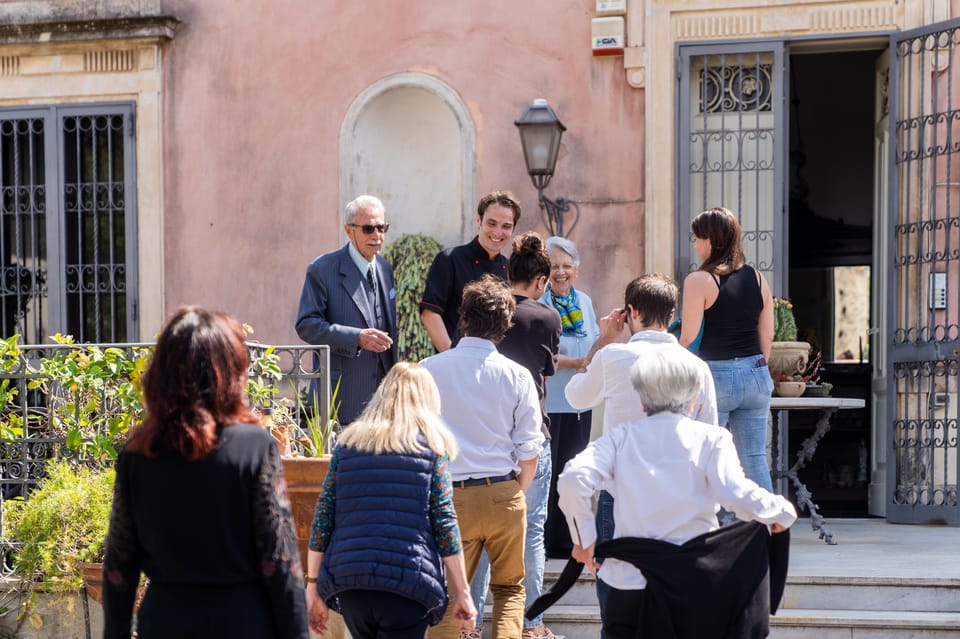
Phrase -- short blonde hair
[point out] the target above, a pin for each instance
(405, 406)
(667, 377)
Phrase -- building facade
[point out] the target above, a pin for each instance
(155, 153)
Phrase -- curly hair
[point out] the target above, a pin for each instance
(529, 259)
(487, 308)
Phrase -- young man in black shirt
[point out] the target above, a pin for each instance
(497, 216)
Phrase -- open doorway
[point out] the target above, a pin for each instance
(831, 213)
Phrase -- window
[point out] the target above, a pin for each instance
(68, 223)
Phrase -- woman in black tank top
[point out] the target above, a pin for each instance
(733, 302)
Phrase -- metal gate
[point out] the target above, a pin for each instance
(731, 153)
(924, 270)
(68, 223)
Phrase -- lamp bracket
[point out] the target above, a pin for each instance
(553, 211)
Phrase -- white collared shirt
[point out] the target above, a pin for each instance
(668, 475)
(490, 404)
(607, 380)
(363, 264)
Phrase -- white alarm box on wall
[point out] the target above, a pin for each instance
(608, 36)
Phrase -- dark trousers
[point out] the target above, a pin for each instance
(374, 614)
(605, 527)
(570, 434)
(622, 618)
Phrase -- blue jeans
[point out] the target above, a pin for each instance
(533, 551)
(605, 527)
(744, 386)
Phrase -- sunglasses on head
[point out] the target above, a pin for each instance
(370, 228)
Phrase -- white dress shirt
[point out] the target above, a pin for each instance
(490, 404)
(607, 380)
(668, 475)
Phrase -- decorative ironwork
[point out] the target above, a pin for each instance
(729, 148)
(919, 135)
(805, 453)
(27, 446)
(736, 88)
(924, 398)
(735, 143)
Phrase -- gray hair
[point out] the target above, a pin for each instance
(362, 203)
(563, 244)
(667, 378)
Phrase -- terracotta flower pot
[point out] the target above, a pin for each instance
(790, 389)
(304, 476)
(92, 574)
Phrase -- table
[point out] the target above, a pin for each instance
(783, 405)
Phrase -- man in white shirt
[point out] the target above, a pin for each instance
(649, 305)
(669, 475)
(490, 404)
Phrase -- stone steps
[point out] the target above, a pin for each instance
(810, 623)
(821, 607)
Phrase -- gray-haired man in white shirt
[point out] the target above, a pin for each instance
(490, 404)
(649, 305)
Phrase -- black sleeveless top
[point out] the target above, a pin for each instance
(730, 325)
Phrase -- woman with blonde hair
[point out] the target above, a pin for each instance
(385, 519)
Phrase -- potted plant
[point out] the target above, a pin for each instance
(62, 526)
(787, 356)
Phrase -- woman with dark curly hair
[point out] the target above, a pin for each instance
(200, 504)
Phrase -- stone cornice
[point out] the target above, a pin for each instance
(152, 27)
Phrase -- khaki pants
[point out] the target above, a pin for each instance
(493, 518)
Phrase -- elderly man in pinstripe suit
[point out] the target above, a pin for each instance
(348, 303)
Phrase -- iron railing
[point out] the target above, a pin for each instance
(31, 436)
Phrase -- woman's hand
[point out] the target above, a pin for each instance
(317, 611)
(585, 557)
(464, 611)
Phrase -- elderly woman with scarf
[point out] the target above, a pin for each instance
(569, 427)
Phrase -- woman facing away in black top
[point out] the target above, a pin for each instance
(733, 302)
(200, 504)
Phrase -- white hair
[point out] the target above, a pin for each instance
(667, 378)
(362, 203)
(563, 244)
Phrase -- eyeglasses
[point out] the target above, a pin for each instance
(370, 228)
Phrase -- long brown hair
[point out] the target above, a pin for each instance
(194, 385)
(722, 229)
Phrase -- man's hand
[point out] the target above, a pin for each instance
(585, 557)
(374, 340)
(611, 325)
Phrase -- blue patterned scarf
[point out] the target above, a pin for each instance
(571, 317)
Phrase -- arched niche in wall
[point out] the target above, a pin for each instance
(409, 139)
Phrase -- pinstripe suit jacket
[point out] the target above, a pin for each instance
(334, 308)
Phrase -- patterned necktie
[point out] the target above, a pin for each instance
(372, 282)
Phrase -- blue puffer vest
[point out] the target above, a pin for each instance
(382, 537)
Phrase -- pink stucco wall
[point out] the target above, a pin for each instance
(256, 93)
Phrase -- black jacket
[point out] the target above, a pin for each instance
(723, 584)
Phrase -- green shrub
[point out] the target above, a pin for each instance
(411, 257)
(62, 524)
